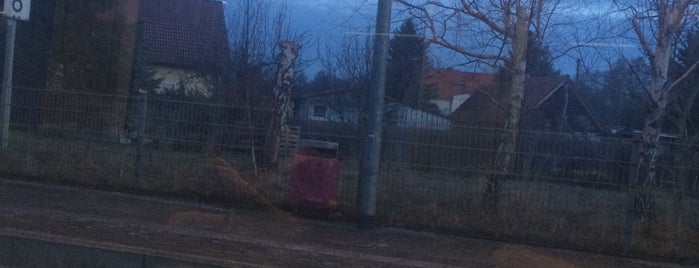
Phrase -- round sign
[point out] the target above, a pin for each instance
(17, 5)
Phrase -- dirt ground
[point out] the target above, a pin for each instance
(239, 237)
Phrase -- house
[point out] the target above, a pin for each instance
(550, 104)
(345, 106)
(402, 116)
(554, 121)
(337, 116)
(94, 45)
(339, 106)
(454, 87)
(185, 41)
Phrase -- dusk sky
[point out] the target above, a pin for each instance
(326, 22)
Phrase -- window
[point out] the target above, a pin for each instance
(320, 111)
(168, 86)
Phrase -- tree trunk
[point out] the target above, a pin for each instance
(282, 93)
(285, 77)
(670, 16)
(505, 155)
(644, 200)
(652, 127)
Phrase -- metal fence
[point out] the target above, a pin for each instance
(565, 189)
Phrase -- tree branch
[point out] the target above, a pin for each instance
(428, 19)
(483, 18)
(438, 39)
(464, 52)
(682, 78)
(642, 39)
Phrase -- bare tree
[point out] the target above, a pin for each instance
(685, 96)
(682, 114)
(352, 62)
(256, 30)
(503, 29)
(251, 44)
(348, 74)
(657, 24)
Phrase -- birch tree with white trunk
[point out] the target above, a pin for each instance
(500, 31)
(656, 24)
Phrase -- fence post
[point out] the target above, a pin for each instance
(630, 213)
(140, 140)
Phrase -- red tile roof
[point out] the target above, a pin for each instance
(449, 82)
(189, 33)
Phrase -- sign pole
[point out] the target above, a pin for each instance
(6, 96)
(13, 10)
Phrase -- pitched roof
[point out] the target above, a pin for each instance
(487, 103)
(538, 89)
(449, 82)
(189, 33)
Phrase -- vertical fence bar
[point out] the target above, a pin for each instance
(631, 192)
(138, 165)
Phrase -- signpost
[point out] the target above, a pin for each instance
(14, 10)
(17, 9)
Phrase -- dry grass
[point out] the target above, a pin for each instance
(111, 166)
(536, 212)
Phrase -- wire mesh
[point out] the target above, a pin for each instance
(563, 189)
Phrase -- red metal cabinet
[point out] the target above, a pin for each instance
(315, 174)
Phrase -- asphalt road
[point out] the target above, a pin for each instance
(237, 237)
